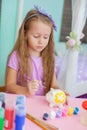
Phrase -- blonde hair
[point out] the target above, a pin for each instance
(21, 47)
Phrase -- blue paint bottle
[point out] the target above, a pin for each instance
(20, 116)
(21, 99)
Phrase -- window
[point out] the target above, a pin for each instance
(66, 23)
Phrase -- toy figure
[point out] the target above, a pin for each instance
(56, 97)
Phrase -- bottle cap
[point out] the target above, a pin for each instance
(84, 105)
(0, 104)
(2, 96)
(20, 110)
(45, 116)
(1, 112)
(9, 104)
(21, 99)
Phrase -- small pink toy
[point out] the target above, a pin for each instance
(64, 112)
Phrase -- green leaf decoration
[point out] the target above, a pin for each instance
(77, 46)
(73, 35)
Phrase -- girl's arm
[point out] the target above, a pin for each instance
(11, 80)
(54, 82)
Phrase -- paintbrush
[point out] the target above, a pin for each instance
(40, 123)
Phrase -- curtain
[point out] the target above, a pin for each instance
(68, 73)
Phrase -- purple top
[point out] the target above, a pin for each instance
(13, 62)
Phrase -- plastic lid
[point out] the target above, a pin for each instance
(2, 96)
(20, 110)
(1, 112)
(9, 104)
(84, 105)
(0, 104)
(21, 99)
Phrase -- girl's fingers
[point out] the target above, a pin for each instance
(33, 86)
(35, 83)
(67, 94)
(32, 90)
(66, 102)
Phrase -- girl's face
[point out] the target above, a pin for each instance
(38, 37)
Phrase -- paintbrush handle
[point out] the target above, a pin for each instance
(36, 122)
(49, 126)
(40, 123)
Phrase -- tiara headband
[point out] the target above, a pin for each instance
(43, 12)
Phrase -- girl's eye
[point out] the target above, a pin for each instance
(46, 37)
(35, 36)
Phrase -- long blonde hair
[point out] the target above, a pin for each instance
(21, 47)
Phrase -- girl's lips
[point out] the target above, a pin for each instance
(39, 47)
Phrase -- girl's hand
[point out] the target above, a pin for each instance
(67, 94)
(33, 86)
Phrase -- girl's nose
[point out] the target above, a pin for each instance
(41, 40)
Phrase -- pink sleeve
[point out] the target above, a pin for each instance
(13, 61)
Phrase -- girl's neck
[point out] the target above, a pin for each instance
(35, 54)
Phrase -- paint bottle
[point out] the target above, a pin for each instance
(21, 99)
(83, 115)
(20, 115)
(1, 117)
(9, 114)
(2, 99)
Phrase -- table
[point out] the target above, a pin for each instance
(37, 105)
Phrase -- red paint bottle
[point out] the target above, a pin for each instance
(9, 115)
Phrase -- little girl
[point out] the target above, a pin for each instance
(31, 64)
